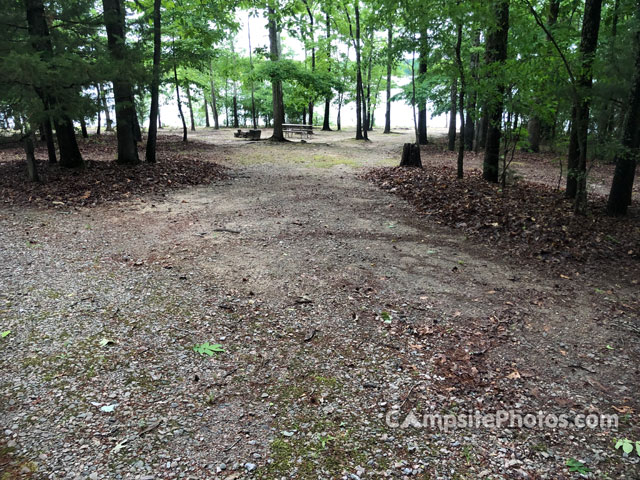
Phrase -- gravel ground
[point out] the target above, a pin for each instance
(335, 304)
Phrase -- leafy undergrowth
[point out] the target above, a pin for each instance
(102, 180)
(527, 219)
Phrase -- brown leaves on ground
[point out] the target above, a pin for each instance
(103, 180)
(527, 219)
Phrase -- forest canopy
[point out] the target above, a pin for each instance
(511, 74)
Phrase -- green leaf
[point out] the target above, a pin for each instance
(208, 348)
(627, 447)
(577, 466)
(386, 316)
(5, 333)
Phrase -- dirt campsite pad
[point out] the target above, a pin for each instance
(290, 319)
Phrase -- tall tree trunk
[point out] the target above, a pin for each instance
(29, 150)
(368, 125)
(627, 158)
(177, 83)
(313, 54)
(254, 118)
(114, 15)
(137, 131)
(190, 107)
(83, 127)
(276, 84)
(588, 45)
(236, 123)
(462, 92)
(422, 108)
(214, 105)
(207, 123)
(452, 115)
(154, 112)
(326, 127)
(41, 41)
(496, 55)
(387, 115)
(48, 135)
(107, 113)
(99, 100)
(469, 126)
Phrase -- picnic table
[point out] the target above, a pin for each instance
(291, 129)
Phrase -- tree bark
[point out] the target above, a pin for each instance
(313, 54)
(469, 125)
(154, 112)
(190, 107)
(462, 92)
(326, 127)
(83, 127)
(114, 15)
(627, 158)
(236, 123)
(496, 54)
(452, 115)
(411, 156)
(177, 83)
(48, 136)
(207, 123)
(387, 115)
(41, 41)
(214, 105)
(276, 83)
(32, 167)
(422, 109)
(588, 45)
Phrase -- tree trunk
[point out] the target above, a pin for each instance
(32, 168)
(496, 55)
(313, 54)
(461, 147)
(422, 108)
(114, 16)
(190, 106)
(469, 126)
(452, 115)
(236, 123)
(276, 84)
(83, 127)
(327, 101)
(627, 158)
(411, 156)
(107, 113)
(207, 123)
(387, 115)
(177, 83)
(41, 41)
(214, 105)
(533, 129)
(588, 45)
(254, 118)
(48, 135)
(99, 100)
(154, 112)
(137, 131)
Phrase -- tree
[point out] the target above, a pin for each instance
(496, 55)
(577, 164)
(276, 81)
(627, 157)
(40, 40)
(155, 83)
(114, 18)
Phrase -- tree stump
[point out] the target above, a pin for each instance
(411, 156)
